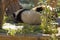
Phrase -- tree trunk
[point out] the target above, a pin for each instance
(12, 5)
(2, 6)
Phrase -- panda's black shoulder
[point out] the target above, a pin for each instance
(21, 11)
(18, 18)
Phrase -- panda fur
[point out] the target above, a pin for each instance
(17, 15)
(31, 17)
(27, 16)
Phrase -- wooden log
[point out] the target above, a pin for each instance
(22, 37)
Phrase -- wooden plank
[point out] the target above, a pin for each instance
(23, 38)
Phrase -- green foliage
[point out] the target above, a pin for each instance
(53, 37)
(47, 23)
(11, 32)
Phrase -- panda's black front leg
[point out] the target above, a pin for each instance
(14, 19)
(17, 18)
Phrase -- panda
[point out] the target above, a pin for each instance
(27, 16)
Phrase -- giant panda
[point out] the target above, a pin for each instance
(27, 16)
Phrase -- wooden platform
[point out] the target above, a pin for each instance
(5, 37)
(26, 37)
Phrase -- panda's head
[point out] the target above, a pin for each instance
(38, 8)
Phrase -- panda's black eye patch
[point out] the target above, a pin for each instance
(39, 9)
